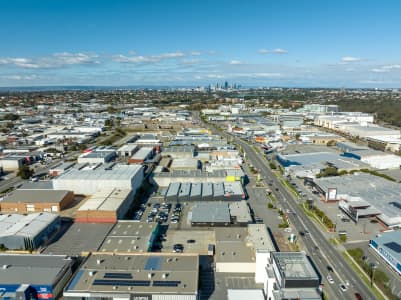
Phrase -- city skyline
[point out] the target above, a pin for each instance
(182, 43)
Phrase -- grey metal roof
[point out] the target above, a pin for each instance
(211, 212)
(25, 225)
(173, 189)
(35, 196)
(196, 189)
(32, 268)
(185, 190)
(218, 189)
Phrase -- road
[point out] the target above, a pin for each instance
(317, 246)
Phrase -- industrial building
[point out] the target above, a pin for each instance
(106, 206)
(363, 195)
(185, 164)
(205, 191)
(220, 214)
(127, 150)
(237, 247)
(290, 275)
(27, 232)
(88, 181)
(32, 276)
(163, 179)
(388, 247)
(376, 159)
(27, 201)
(179, 152)
(60, 168)
(154, 276)
(141, 155)
(130, 236)
(96, 157)
(12, 163)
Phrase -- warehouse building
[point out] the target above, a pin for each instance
(220, 214)
(96, 157)
(196, 192)
(12, 163)
(60, 168)
(179, 152)
(141, 155)
(27, 201)
(205, 191)
(127, 150)
(136, 275)
(185, 164)
(388, 246)
(364, 195)
(34, 276)
(88, 181)
(376, 159)
(27, 232)
(106, 206)
(163, 179)
(130, 236)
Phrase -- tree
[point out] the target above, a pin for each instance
(25, 172)
(109, 123)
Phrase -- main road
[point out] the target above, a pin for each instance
(323, 254)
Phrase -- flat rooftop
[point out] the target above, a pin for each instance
(109, 199)
(25, 225)
(211, 212)
(129, 236)
(122, 172)
(294, 265)
(32, 268)
(35, 196)
(380, 193)
(137, 273)
(80, 237)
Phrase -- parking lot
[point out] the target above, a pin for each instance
(193, 241)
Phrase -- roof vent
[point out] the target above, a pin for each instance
(91, 273)
(6, 267)
(164, 276)
(238, 235)
(115, 287)
(150, 275)
(233, 253)
(99, 261)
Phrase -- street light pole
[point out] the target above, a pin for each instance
(372, 273)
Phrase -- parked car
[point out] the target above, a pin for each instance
(178, 248)
(330, 279)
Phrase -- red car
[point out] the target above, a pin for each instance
(358, 296)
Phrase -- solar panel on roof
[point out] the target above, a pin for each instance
(153, 263)
(122, 282)
(118, 275)
(166, 283)
(393, 246)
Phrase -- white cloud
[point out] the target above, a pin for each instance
(379, 70)
(386, 68)
(273, 51)
(235, 62)
(56, 60)
(196, 53)
(19, 77)
(215, 76)
(350, 59)
(136, 59)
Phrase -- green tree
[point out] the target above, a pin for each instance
(25, 172)
(109, 123)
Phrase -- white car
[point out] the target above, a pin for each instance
(330, 279)
(343, 287)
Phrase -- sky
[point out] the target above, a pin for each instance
(289, 43)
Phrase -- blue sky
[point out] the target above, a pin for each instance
(182, 42)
